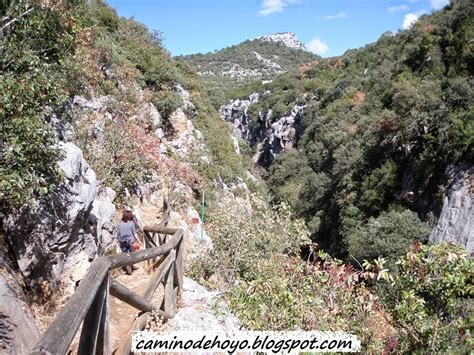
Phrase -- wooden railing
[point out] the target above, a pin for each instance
(89, 305)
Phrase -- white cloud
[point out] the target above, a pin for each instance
(271, 6)
(333, 17)
(398, 8)
(317, 46)
(439, 4)
(409, 20)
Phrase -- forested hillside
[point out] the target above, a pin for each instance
(377, 130)
(365, 148)
(250, 61)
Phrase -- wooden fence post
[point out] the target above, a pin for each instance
(168, 304)
(178, 274)
(94, 335)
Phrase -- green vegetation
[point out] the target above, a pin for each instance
(421, 304)
(215, 67)
(386, 236)
(431, 299)
(380, 127)
(242, 238)
(55, 51)
(35, 56)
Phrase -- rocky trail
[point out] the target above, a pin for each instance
(122, 314)
(198, 309)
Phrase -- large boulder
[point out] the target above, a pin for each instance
(66, 230)
(456, 222)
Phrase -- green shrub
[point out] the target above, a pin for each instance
(431, 300)
(167, 101)
(120, 160)
(34, 83)
(241, 241)
(389, 235)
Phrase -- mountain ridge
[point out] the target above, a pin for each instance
(254, 60)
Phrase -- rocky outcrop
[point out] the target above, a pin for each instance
(268, 63)
(18, 331)
(288, 39)
(197, 312)
(456, 222)
(270, 135)
(66, 231)
(236, 112)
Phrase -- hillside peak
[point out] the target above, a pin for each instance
(288, 39)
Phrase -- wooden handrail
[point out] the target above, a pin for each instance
(89, 303)
(124, 259)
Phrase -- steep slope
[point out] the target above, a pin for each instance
(253, 60)
(95, 102)
(94, 115)
(366, 138)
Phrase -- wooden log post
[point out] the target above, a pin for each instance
(139, 323)
(161, 230)
(103, 339)
(179, 273)
(157, 263)
(122, 259)
(124, 294)
(169, 302)
(94, 322)
(158, 275)
(59, 335)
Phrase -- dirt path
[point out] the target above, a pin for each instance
(122, 315)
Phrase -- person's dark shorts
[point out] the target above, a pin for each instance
(126, 247)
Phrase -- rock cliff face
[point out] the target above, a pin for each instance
(456, 222)
(197, 312)
(270, 135)
(57, 235)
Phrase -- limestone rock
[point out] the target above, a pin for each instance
(197, 312)
(103, 216)
(288, 39)
(178, 120)
(274, 133)
(184, 94)
(18, 331)
(56, 234)
(153, 114)
(95, 104)
(456, 222)
(195, 228)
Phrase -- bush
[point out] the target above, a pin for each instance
(389, 235)
(242, 240)
(34, 83)
(122, 154)
(431, 299)
(167, 101)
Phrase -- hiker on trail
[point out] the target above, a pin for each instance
(127, 234)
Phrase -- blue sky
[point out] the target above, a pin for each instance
(327, 27)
